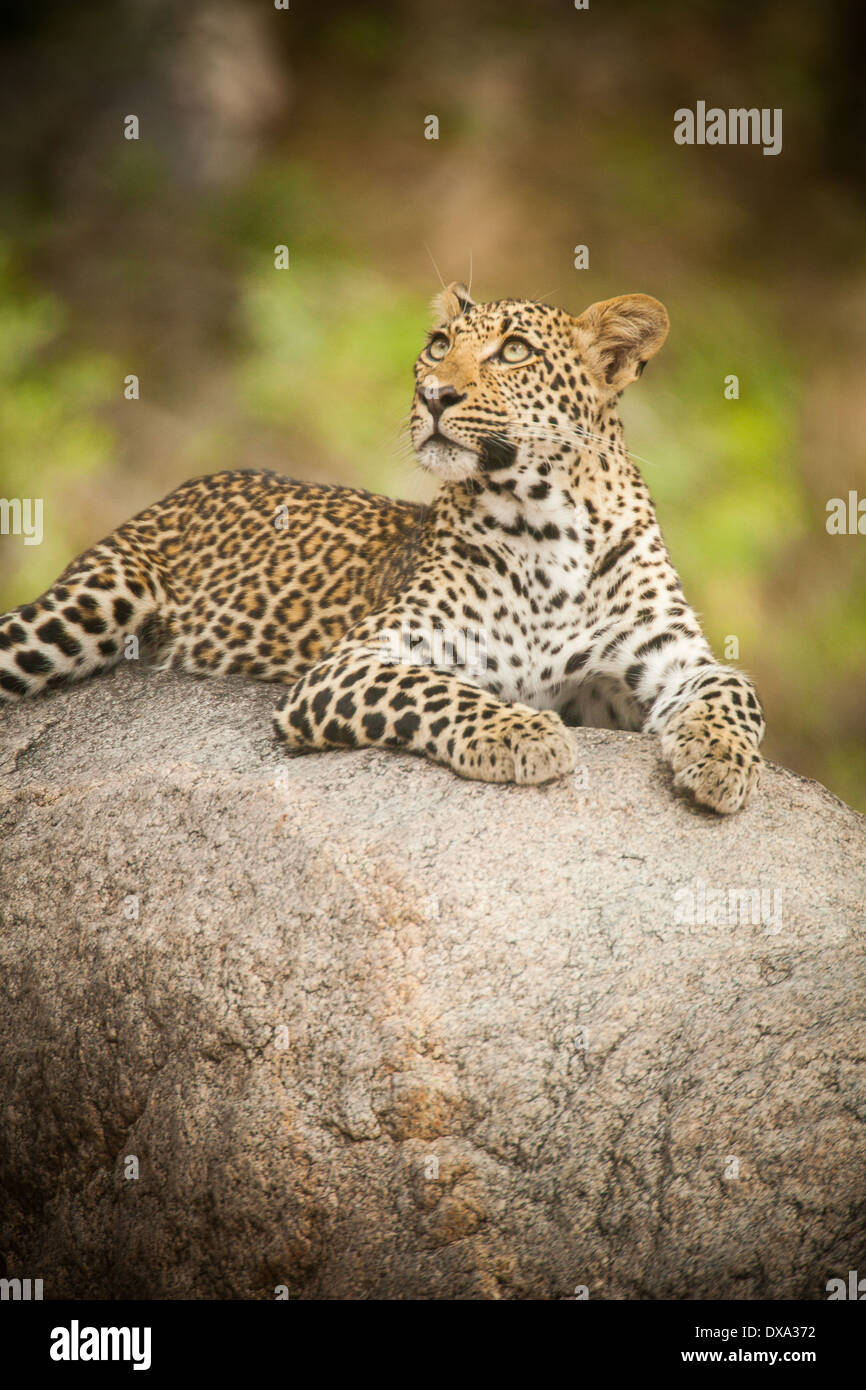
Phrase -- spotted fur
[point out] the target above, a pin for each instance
(542, 545)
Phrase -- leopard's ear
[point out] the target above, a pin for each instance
(617, 337)
(451, 302)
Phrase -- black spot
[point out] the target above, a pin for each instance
(54, 633)
(407, 725)
(653, 644)
(299, 721)
(576, 662)
(539, 490)
(633, 675)
(401, 701)
(495, 454)
(612, 556)
(374, 725)
(335, 732)
(34, 663)
(13, 684)
(122, 610)
(352, 677)
(320, 703)
(433, 706)
(346, 706)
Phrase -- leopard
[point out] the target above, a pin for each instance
(534, 594)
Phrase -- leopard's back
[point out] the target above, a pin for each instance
(239, 572)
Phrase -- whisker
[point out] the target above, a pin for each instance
(435, 266)
(514, 434)
(560, 436)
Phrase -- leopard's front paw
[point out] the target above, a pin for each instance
(714, 760)
(542, 748)
(528, 747)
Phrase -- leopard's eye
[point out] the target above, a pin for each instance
(437, 347)
(515, 350)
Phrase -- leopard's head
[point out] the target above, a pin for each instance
(499, 379)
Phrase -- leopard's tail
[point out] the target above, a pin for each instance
(82, 624)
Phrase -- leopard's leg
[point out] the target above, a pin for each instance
(709, 716)
(81, 624)
(711, 723)
(351, 699)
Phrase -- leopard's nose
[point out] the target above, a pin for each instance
(438, 398)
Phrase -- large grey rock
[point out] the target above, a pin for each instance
(379, 1032)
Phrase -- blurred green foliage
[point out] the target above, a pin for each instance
(330, 352)
(50, 429)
